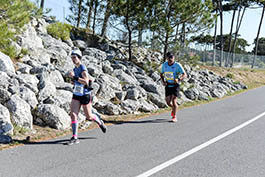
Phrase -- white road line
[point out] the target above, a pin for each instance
(198, 148)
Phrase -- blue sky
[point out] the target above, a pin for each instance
(249, 26)
(248, 30)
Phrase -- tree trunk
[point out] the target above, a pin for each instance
(257, 38)
(79, 13)
(237, 30)
(42, 4)
(167, 32)
(140, 37)
(183, 35)
(231, 55)
(230, 37)
(176, 34)
(166, 45)
(106, 19)
(94, 18)
(221, 31)
(129, 31)
(214, 42)
(153, 40)
(130, 43)
(91, 4)
(204, 54)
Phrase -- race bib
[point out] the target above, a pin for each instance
(169, 76)
(78, 90)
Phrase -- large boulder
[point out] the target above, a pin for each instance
(29, 38)
(52, 116)
(6, 64)
(29, 96)
(6, 126)
(20, 112)
(5, 139)
(4, 96)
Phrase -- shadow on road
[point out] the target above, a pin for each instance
(63, 141)
(136, 121)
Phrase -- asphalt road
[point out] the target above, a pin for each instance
(225, 138)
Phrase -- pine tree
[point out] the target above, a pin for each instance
(78, 9)
(107, 15)
(192, 15)
(14, 15)
(131, 12)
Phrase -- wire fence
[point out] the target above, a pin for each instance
(224, 59)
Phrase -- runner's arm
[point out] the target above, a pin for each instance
(182, 76)
(84, 80)
(162, 78)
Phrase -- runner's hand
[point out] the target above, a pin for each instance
(164, 83)
(176, 81)
(71, 74)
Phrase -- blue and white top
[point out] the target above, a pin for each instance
(171, 72)
(79, 89)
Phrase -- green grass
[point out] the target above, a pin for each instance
(20, 130)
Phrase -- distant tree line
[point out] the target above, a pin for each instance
(166, 22)
(169, 24)
(232, 42)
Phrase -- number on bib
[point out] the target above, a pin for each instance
(169, 76)
(79, 89)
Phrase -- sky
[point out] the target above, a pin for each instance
(249, 26)
(248, 29)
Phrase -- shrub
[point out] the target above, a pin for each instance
(59, 30)
(5, 41)
(230, 75)
(22, 53)
(236, 82)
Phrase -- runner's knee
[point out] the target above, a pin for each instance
(175, 103)
(169, 104)
(73, 116)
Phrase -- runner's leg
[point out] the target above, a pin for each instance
(88, 113)
(175, 105)
(168, 100)
(90, 116)
(75, 107)
(175, 96)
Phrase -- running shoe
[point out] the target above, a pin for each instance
(103, 126)
(73, 141)
(174, 119)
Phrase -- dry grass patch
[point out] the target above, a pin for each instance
(251, 77)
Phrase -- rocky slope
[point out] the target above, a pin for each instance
(34, 90)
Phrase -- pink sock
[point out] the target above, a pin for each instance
(97, 119)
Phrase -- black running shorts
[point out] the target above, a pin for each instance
(173, 90)
(85, 99)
